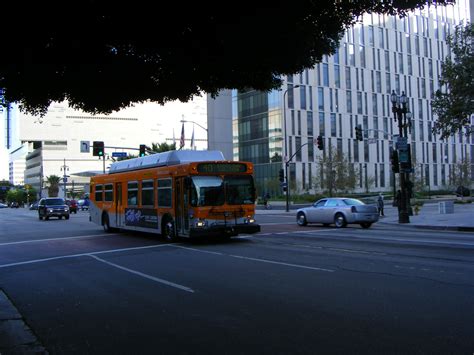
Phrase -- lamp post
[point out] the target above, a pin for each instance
(401, 112)
(65, 176)
(287, 161)
(195, 123)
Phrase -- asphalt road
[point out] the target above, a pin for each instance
(287, 290)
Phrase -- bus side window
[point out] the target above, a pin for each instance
(98, 192)
(164, 192)
(132, 193)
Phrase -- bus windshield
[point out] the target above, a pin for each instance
(214, 190)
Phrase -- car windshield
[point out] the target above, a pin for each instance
(353, 202)
(214, 190)
(55, 202)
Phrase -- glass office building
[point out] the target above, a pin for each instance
(353, 87)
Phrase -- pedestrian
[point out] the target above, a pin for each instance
(266, 197)
(380, 204)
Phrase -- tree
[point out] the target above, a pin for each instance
(53, 185)
(460, 174)
(336, 173)
(454, 102)
(162, 147)
(121, 55)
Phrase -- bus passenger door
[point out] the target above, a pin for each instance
(181, 201)
(118, 204)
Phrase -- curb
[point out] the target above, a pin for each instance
(422, 226)
(16, 337)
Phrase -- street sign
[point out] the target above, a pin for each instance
(119, 154)
(85, 146)
(403, 156)
(402, 143)
(372, 140)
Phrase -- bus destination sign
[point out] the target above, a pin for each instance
(218, 168)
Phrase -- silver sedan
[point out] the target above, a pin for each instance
(339, 211)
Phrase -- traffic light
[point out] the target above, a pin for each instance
(142, 150)
(281, 175)
(320, 142)
(358, 130)
(98, 149)
(394, 161)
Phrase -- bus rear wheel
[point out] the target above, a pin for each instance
(168, 231)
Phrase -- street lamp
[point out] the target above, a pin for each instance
(287, 161)
(204, 128)
(401, 112)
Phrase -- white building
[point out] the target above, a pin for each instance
(51, 145)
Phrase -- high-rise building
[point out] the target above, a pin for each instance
(353, 87)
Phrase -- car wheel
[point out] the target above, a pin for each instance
(168, 230)
(365, 225)
(66, 217)
(40, 218)
(301, 219)
(46, 218)
(340, 220)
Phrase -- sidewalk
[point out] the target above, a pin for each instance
(429, 216)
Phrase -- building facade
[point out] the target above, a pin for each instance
(353, 87)
(54, 144)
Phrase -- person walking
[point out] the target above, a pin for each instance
(380, 204)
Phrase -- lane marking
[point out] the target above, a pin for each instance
(79, 255)
(256, 259)
(146, 276)
(281, 263)
(54, 239)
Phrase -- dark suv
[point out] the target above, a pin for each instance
(72, 206)
(53, 207)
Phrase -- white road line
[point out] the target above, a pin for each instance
(281, 263)
(78, 255)
(56, 239)
(149, 277)
(256, 259)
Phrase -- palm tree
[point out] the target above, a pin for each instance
(53, 185)
(162, 147)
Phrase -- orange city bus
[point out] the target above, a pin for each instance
(179, 193)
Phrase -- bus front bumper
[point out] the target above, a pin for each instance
(225, 230)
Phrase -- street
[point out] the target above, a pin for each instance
(286, 290)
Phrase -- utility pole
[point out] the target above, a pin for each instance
(65, 168)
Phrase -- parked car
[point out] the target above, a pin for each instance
(14, 204)
(53, 207)
(2, 205)
(83, 204)
(72, 206)
(34, 206)
(339, 211)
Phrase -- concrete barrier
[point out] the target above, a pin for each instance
(446, 207)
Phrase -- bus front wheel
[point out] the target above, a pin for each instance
(168, 230)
